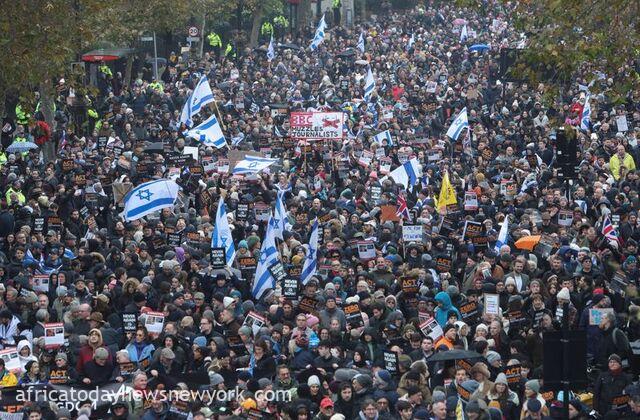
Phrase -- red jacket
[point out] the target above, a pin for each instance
(42, 132)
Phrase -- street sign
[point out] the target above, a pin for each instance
(193, 31)
(193, 39)
(146, 38)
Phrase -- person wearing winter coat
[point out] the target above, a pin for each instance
(7, 378)
(507, 399)
(610, 384)
(86, 352)
(98, 371)
(25, 354)
(444, 306)
(344, 404)
(140, 349)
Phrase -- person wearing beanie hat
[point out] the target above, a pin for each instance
(362, 384)
(494, 359)
(505, 399)
(532, 394)
(382, 379)
(470, 386)
(563, 296)
(610, 384)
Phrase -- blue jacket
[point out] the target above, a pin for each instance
(442, 311)
(145, 356)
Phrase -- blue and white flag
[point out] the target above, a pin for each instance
(408, 174)
(585, 121)
(280, 216)
(385, 135)
(150, 197)
(461, 122)
(582, 204)
(319, 36)
(464, 34)
(502, 235)
(411, 41)
(369, 85)
(221, 235)
(200, 97)
(311, 261)
(209, 133)
(237, 139)
(252, 165)
(268, 256)
(361, 43)
(271, 51)
(68, 254)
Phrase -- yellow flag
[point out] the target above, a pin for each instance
(447, 193)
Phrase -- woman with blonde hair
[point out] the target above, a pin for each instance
(507, 399)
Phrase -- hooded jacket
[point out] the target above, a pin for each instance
(25, 359)
(442, 311)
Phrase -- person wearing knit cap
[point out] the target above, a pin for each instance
(382, 379)
(610, 384)
(532, 396)
(505, 399)
(362, 384)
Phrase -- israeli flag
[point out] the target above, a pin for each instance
(361, 43)
(461, 122)
(311, 261)
(150, 197)
(209, 133)
(237, 139)
(502, 236)
(68, 254)
(319, 36)
(582, 204)
(268, 256)
(585, 121)
(271, 51)
(221, 236)
(385, 135)
(412, 41)
(408, 174)
(464, 34)
(369, 85)
(252, 165)
(280, 216)
(200, 97)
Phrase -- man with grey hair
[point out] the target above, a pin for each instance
(42, 317)
(614, 340)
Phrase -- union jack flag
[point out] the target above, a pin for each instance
(609, 232)
(403, 210)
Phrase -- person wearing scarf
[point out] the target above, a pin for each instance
(610, 384)
(7, 378)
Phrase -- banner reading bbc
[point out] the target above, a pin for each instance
(317, 125)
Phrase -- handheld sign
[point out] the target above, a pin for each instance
(218, 258)
(353, 315)
(366, 250)
(491, 304)
(129, 322)
(431, 328)
(154, 322)
(277, 271)
(53, 335)
(290, 287)
(255, 321)
(390, 361)
(40, 283)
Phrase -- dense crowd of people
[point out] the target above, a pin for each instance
(89, 300)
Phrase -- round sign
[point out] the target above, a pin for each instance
(193, 31)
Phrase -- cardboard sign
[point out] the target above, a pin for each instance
(537, 318)
(53, 335)
(308, 305)
(102, 142)
(596, 315)
(353, 315)
(380, 153)
(222, 166)
(565, 217)
(472, 229)
(391, 361)
(622, 123)
(366, 159)
(431, 328)
(492, 304)
(470, 201)
(11, 360)
(255, 321)
(443, 263)
(412, 233)
(277, 271)
(262, 212)
(366, 250)
(290, 287)
(409, 286)
(317, 125)
(464, 364)
(385, 165)
(294, 271)
(376, 193)
(41, 283)
(470, 313)
(513, 374)
(516, 319)
(67, 165)
(129, 322)
(54, 223)
(218, 258)
(242, 211)
(247, 262)
(620, 282)
(38, 224)
(154, 322)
